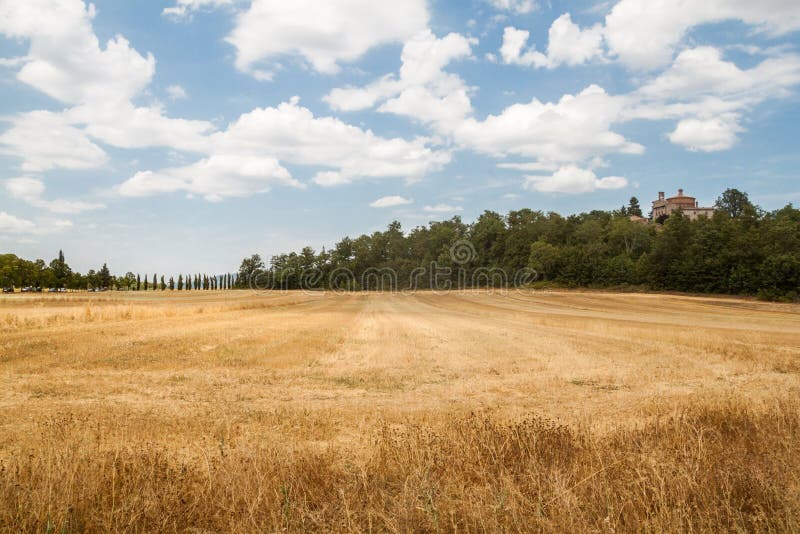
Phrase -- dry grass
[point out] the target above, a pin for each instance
(429, 412)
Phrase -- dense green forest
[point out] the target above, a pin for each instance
(741, 250)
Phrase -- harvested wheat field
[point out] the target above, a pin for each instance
(466, 411)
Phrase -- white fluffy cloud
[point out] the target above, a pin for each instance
(645, 33)
(422, 90)
(45, 140)
(325, 34)
(66, 61)
(709, 95)
(511, 51)
(707, 135)
(702, 72)
(245, 158)
(571, 45)
(102, 85)
(573, 180)
(293, 134)
(568, 44)
(215, 178)
(124, 125)
(576, 128)
(391, 202)
(30, 190)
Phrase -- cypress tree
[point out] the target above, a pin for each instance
(155, 282)
(180, 282)
(145, 283)
(138, 283)
(171, 284)
(163, 285)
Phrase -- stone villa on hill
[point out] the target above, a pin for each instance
(688, 205)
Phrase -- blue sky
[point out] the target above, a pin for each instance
(183, 135)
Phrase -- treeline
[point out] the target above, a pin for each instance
(16, 272)
(741, 250)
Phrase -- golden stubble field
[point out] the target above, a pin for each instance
(464, 411)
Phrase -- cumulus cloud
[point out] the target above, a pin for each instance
(127, 126)
(245, 158)
(45, 140)
(421, 90)
(31, 190)
(643, 34)
(707, 135)
(390, 202)
(568, 44)
(102, 84)
(325, 34)
(573, 180)
(709, 95)
(512, 50)
(215, 178)
(66, 61)
(575, 128)
(293, 134)
(702, 72)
